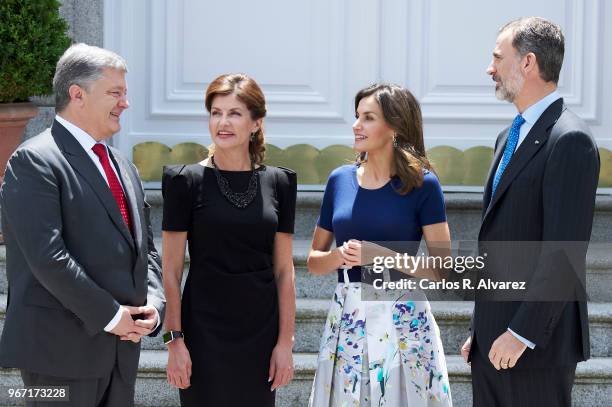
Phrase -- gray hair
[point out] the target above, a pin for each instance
(542, 37)
(82, 65)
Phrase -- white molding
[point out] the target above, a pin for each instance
(321, 99)
(280, 140)
(354, 44)
(462, 102)
(287, 140)
(117, 37)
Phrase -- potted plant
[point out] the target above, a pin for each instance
(32, 38)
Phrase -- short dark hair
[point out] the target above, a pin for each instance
(542, 37)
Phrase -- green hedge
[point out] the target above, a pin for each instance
(32, 38)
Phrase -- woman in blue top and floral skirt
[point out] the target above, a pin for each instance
(380, 352)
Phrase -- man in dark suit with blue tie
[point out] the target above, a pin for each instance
(84, 277)
(539, 195)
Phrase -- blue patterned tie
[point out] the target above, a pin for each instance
(511, 143)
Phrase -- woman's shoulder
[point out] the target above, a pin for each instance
(430, 179)
(182, 170)
(341, 176)
(430, 185)
(283, 175)
(280, 170)
(343, 171)
(180, 175)
(173, 171)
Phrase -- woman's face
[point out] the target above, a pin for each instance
(230, 123)
(371, 131)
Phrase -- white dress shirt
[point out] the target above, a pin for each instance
(531, 116)
(87, 142)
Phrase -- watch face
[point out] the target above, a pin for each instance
(171, 335)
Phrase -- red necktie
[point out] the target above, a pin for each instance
(113, 182)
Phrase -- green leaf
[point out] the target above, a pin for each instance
(32, 37)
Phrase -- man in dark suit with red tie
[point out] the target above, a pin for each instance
(84, 276)
(539, 201)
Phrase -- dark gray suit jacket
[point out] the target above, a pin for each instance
(71, 260)
(546, 194)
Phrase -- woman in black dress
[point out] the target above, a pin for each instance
(234, 324)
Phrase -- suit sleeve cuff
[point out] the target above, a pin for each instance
(113, 322)
(527, 342)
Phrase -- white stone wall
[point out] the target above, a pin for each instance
(312, 56)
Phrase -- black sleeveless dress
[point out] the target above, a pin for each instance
(229, 308)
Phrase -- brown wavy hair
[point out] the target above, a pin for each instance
(249, 93)
(402, 113)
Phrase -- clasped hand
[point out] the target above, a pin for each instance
(360, 252)
(130, 329)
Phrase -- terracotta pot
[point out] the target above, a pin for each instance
(13, 119)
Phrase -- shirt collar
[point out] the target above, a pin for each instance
(85, 140)
(533, 112)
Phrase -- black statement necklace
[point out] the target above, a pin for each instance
(238, 199)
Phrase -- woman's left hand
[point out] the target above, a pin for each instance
(351, 253)
(281, 366)
(361, 252)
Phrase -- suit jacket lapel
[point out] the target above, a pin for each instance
(128, 185)
(81, 162)
(493, 169)
(535, 139)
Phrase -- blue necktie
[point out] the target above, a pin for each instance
(511, 143)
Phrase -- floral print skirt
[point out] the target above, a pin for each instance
(380, 353)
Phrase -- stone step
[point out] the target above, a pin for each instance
(453, 318)
(593, 384)
(306, 285)
(598, 278)
(599, 272)
(463, 210)
(598, 262)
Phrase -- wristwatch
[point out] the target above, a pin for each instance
(172, 335)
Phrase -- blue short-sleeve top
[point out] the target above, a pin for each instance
(378, 215)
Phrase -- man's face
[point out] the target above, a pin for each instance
(104, 103)
(505, 68)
